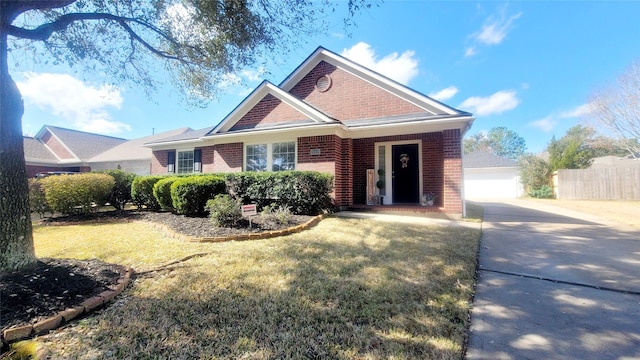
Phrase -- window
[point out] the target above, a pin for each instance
(274, 157)
(185, 162)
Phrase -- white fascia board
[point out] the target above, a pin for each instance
(417, 127)
(383, 82)
(257, 95)
(271, 135)
(170, 145)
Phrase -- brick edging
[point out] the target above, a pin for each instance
(63, 317)
(241, 237)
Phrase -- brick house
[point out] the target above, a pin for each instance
(333, 115)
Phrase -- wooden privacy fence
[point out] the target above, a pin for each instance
(598, 184)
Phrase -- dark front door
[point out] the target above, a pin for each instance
(405, 174)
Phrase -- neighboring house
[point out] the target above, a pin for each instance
(487, 176)
(59, 149)
(333, 115)
(612, 161)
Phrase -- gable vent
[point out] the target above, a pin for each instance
(323, 83)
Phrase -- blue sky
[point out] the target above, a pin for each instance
(529, 66)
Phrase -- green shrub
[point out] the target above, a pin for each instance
(224, 210)
(70, 194)
(190, 194)
(276, 215)
(544, 192)
(162, 192)
(121, 193)
(37, 200)
(142, 191)
(303, 192)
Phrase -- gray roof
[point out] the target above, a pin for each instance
(134, 149)
(84, 145)
(35, 150)
(189, 134)
(483, 159)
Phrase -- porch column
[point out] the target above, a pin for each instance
(452, 153)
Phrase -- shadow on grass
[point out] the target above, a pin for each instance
(347, 289)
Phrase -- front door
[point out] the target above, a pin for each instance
(405, 174)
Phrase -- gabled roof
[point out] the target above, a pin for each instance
(35, 150)
(484, 159)
(264, 89)
(430, 105)
(134, 149)
(82, 145)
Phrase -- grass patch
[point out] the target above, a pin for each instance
(348, 288)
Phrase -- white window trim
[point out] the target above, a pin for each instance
(269, 152)
(177, 159)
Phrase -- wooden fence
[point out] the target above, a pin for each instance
(598, 184)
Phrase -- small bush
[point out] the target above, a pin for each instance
(190, 194)
(162, 192)
(70, 194)
(121, 193)
(224, 210)
(276, 215)
(142, 192)
(37, 200)
(545, 192)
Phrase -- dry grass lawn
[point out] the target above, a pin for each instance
(624, 212)
(346, 289)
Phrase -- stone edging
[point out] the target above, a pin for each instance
(242, 237)
(63, 317)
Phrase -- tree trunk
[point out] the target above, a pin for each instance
(16, 238)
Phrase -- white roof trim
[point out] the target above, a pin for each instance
(267, 88)
(393, 87)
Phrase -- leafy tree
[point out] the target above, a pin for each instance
(616, 108)
(197, 42)
(535, 173)
(577, 148)
(499, 140)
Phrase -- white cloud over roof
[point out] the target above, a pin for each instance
(493, 31)
(84, 106)
(444, 94)
(399, 67)
(496, 103)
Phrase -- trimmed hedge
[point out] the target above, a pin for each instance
(70, 194)
(162, 192)
(142, 191)
(121, 193)
(190, 194)
(303, 192)
(37, 199)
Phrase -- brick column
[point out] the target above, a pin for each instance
(452, 151)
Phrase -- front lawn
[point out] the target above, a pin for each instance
(348, 288)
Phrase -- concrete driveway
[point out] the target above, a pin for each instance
(555, 284)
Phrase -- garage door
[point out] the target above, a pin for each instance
(491, 183)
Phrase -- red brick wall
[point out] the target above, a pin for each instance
(159, 162)
(207, 159)
(349, 97)
(227, 158)
(269, 110)
(343, 178)
(56, 146)
(452, 154)
(325, 161)
(432, 168)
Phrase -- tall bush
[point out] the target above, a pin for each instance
(304, 192)
(142, 192)
(224, 210)
(70, 194)
(190, 194)
(162, 192)
(121, 193)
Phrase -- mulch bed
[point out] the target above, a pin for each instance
(53, 285)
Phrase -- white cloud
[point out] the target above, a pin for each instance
(401, 68)
(545, 124)
(494, 30)
(579, 111)
(84, 106)
(444, 94)
(497, 103)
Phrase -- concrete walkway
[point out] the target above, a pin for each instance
(555, 284)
